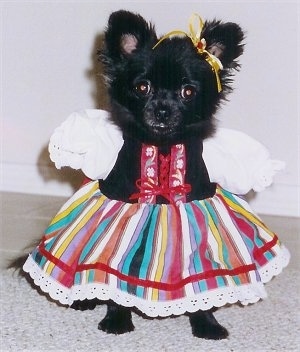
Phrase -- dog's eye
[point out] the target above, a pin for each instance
(188, 92)
(143, 88)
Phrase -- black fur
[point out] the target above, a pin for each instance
(205, 325)
(163, 96)
(117, 320)
(173, 64)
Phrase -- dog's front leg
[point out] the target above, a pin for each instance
(117, 320)
(205, 325)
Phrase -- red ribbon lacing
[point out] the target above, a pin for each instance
(148, 188)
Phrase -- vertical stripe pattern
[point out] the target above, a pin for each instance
(157, 253)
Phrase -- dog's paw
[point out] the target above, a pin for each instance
(85, 304)
(115, 326)
(212, 332)
(117, 321)
(204, 325)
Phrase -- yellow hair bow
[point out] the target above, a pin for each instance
(200, 44)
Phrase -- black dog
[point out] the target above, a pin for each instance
(149, 230)
(164, 94)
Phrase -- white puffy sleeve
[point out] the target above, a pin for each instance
(239, 163)
(87, 140)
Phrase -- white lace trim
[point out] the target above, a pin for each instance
(276, 265)
(244, 294)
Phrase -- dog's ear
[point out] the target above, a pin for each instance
(224, 40)
(127, 32)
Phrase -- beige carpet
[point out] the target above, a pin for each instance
(29, 322)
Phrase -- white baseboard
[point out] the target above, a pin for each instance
(279, 199)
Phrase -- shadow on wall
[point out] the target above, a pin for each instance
(95, 74)
(46, 168)
(49, 173)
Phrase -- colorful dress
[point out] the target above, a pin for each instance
(163, 259)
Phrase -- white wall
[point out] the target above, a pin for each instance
(47, 52)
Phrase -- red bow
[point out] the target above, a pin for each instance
(168, 192)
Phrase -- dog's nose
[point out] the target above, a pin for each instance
(161, 114)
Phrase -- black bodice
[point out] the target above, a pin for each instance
(121, 182)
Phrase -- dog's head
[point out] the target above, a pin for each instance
(167, 92)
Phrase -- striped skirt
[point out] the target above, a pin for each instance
(161, 258)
